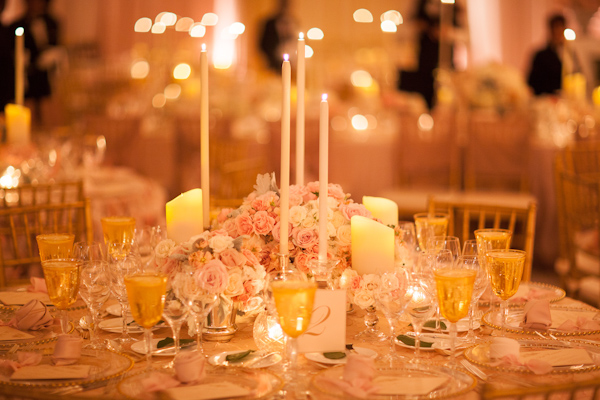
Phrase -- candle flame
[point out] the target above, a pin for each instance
(570, 34)
(203, 46)
(301, 36)
(19, 31)
(286, 57)
(324, 97)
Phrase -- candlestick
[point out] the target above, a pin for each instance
(204, 154)
(383, 209)
(323, 177)
(372, 246)
(18, 123)
(184, 216)
(284, 194)
(19, 66)
(300, 122)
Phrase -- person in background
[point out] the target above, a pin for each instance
(545, 75)
(278, 35)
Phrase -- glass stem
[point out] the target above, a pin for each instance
(64, 321)
(199, 325)
(176, 328)
(292, 352)
(504, 314)
(453, 342)
(417, 342)
(92, 329)
(148, 340)
(124, 312)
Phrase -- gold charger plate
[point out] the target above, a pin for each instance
(515, 318)
(263, 384)
(479, 354)
(458, 381)
(40, 337)
(105, 365)
(545, 291)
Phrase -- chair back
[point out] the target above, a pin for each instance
(19, 225)
(580, 158)
(49, 193)
(469, 213)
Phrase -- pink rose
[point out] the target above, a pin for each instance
(198, 258)
(260, 204)
(263, 223)
(244, 225)
(270, 198)
(250, 257)
(305, 237)
(352, 209)
(303, 261)
(231, 228)
(297, 194)
(213, 277)
(252, 287)
(223, 215)
(311, 189)
(355, 282)
(277, 231)
(334, 190)
(232, 258)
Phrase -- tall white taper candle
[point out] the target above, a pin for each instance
(19, 66)
(284, 194)
(300, 119)
(323, 177)
(204, 153)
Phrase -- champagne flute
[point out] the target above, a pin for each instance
(62, 280)
(294, 300)
(505, 269)
(119, 234)
(175, 313)
(420, 307)
(55, 245)
(429, 225)
(94, 290)
(481, 283)
(146, 293)
(119, 267)
(454, 289)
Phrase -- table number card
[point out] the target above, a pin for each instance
(327, 329)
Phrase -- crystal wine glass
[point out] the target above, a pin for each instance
(429, 225)
(119, 234)
(120, 266)
(479, 286)
(420, 307)
(451, 243)
(175, 313)
(407, 243)
(88, 251)
(62, 280)
(55, 245)
(146, 294)
(470, 247)
(94, 290)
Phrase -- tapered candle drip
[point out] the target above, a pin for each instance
(300, 119)
(19, 66)
(323, 177)
(284, 195)
(204, 153)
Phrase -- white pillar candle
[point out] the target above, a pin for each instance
(204, 154)
(19, 66)
(18, 124)
(284, 191)
(383, 209)
(372, 246)
(184, 216)
(323, 177)
(300, 119)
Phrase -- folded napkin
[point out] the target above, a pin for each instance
(38, 285)
(67, 350)
(506, 351)
(156, 382)
(357, 379)
(24, 359)
(531, 293)
(32, 316)
(580, 324)
(189, 367)
(537, 315)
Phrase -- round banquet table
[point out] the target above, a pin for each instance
(243, 340)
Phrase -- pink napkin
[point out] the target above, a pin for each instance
(537, 315)
(32, 316)
(505, 351)
(37, 285)
(532, 294)
(189, 367)
(67, 350)
(581, 324)
(24, 359)
(156, 382)
(358, 376)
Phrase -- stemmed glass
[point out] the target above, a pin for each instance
(391, 299)
(146, 293)
(470, 247)
(119, 234)
(479, 286)
(94, 290)
(119, 267)
(454, 286)
(62, 280)
(505, 269)
(492, 239)
(146, 240)
(407, 243)
(88, 251)
(294, 298)
(451, 243)
(429, 225)
(420, 307)
(54, 246)
(175, 313)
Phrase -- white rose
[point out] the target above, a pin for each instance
(312, 205)
(363, 298)
(220, 242)
(235, 285)
(331, 231)
(311, 219)
(163, 249)
(344, 235)
(347, 277)
(338, 219)
(297, 215)
(332, 203)
(371, 282)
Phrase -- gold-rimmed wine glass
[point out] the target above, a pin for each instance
(429, 225)
(119, 234)
(146, 293)
(62, 279)
(55, 245)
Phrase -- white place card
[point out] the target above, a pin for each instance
(560, 357)
(208, 391)
(21, 298)
(45, 371)
(414, 386)
(10, 333)
(327, 329)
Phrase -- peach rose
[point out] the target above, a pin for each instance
(303, 260)
(250, 257)
(263, 223)
(232, 258)
(213, 277)
(260, 204)
(305, 238)
(244, 225)
(223, 215)
(352, 209)
(231, 227)
(334, 190)
(198, 258)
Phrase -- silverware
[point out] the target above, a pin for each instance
(170, 348)
(474, 370)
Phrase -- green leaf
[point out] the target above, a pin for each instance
(238, 356)
(334, 355)
(169, 341)
(410, 341)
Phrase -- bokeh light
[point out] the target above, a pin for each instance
(159, 100)
(140, 69)
(237, 28)
(143, 25)
(363, 15)
(361, 78)
(184, 24)
(388, 26)
(172, 91)
(197, 30)
(392, 15)
(210, 19)
(168, 18)
(158, 28)
(425, 122)
(182, 71)
(308, 51)
(570, 34)
(315, 34)
(360, 122)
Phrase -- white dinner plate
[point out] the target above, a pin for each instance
(220, 360)
(461, 326)
(115, 325)
(440, 341)
(114, 309)
(320, 358)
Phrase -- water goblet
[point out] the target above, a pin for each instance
(505, 270)
(451, 243)
(94, 290)
(470, 247)
(420, 307)
(88, 251)
(146, 294)
(454, 286)
(479, 286)
(119, 234)
(55, 245)
(429, 225)
(146, 240)
(62, 279)
(407, 244)
(175, 313)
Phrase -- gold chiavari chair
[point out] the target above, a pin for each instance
(19, 226)
(47, 193)
(469, 212)
(576, 390)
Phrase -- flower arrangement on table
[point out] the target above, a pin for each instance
(257, 222)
